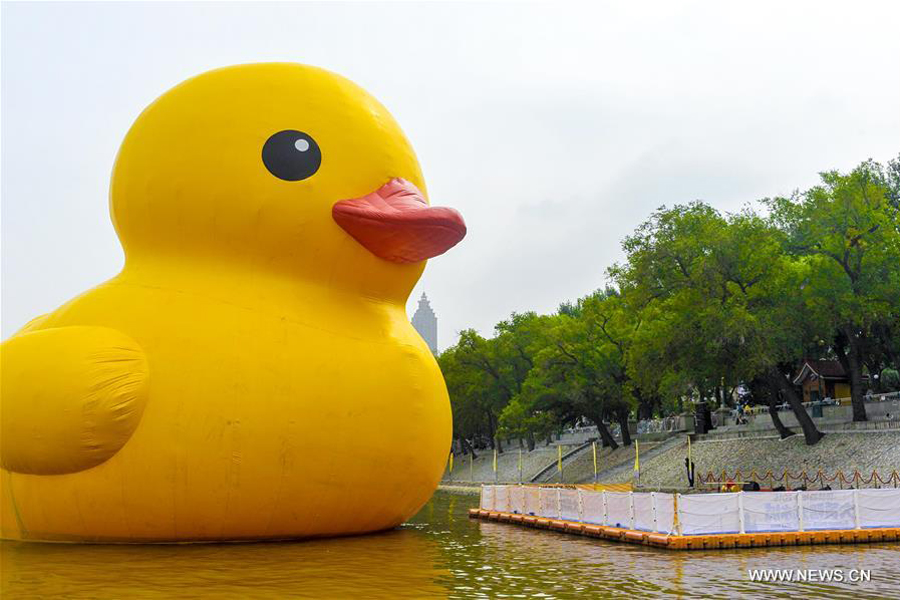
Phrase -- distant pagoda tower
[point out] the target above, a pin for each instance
(426, 323)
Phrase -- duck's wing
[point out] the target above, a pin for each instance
(70, 398)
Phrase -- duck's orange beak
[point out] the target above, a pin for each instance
(395, 223)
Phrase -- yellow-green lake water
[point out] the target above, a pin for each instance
(440, 553)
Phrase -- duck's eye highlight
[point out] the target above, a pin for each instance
(291, 155)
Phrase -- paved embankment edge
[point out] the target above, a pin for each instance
(468, 490)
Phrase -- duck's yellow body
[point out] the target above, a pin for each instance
(251, 373)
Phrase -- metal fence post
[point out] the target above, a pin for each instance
(741, 510)
(524, 500)
(580, 505)
(631, 509)
(558, 504)
(520, 465)
(653, 506)
(605, 510)
(677, 516)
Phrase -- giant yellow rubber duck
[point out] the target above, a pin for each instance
(251, 373)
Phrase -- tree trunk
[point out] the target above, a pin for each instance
(622, 419)
(467, 447)
(645, 411)
(491, 433)
(783, 431)
(530, 440)
(850, 360)
(893, 357)
(810, 431)
(645, 406)
(874, 384)
(605, 436)
(883, 333)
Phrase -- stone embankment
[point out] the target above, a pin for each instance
(849, 451)
(662, 464)
(576, 469)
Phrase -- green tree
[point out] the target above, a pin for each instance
(485, 374)
(471, 400)
(522, 419)
(847, 229)
(581, 371)
(719, 302)
(703, 303)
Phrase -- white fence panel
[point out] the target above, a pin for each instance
(703, 513)
(568, 505)
(828, 510)
(665, 512)
(771, 511)
(532, 500)
(618, 509)
(487, 497)
(644, 518)
(517, 499)
(591, 507)
(708, 513)
(879, 508)
(501, 498)
(549, 503)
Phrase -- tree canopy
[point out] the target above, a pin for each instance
(704, 302)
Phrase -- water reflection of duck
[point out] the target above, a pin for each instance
(402, 563)
(251, 372)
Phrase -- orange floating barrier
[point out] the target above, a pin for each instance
(613, 532)
(680, 521)
(697, 542)
(634, 536)
(728, 542)
(574, 527)
(833, 537)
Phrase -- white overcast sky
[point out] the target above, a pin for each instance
(554, 128)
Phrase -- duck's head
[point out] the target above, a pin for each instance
(280, 167)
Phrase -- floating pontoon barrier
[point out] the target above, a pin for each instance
(701, 521)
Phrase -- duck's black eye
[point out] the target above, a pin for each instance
(291, 155)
